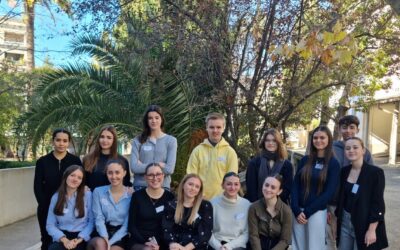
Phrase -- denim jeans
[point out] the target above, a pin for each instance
(347, 236)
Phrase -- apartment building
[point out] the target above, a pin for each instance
(13, 43)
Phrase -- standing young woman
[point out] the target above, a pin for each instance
(48, 173)
(188, 221)
(70, 220)
(230, 229)
(361, 206)
(95, 162)
(270, 220)
(153, 145)
(271, 161)
(146, 211)
(110, 210)
(314, 186)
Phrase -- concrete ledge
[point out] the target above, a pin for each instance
(17, 200)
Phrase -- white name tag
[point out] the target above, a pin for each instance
(65, 210)
(147, 148)
(221, 158)
(239, 216)
(159, 209)
(197, 216)
(319, 166)
(354, 190)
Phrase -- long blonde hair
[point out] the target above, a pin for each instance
(196, 204)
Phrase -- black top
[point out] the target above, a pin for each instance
(145, 217)
(48, 175)
(368, 205)
(98, 176)
(199, 233)
(252, 183)
(348, 196)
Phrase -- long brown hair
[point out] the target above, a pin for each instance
(281, 150)
(62, 193)
(90, 160)
(312, 157)
(196, 204)
(146, 128)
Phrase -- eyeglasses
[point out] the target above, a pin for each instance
(153, 176)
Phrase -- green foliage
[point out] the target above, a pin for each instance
(16, 164)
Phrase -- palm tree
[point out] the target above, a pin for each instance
(114, 89)
(29, 8)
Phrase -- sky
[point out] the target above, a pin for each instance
(52, 34)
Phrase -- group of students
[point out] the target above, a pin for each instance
(95, 206)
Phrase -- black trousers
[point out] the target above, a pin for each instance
(46, 240)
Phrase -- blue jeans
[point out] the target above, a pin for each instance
(347, 235)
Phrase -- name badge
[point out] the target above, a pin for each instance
(65, 210)
(159, 209)
(221, 158)
(239, 216)
(319, 166)
(355, 188)
(197, 216)
(147, 148)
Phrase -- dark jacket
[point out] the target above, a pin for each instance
(48, 174)
(252, 183)
(369, 206)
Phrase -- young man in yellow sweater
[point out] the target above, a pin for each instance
(213, 158)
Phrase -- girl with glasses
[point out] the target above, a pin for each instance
(230, 229)
(153, 145)
(146, 211)
(272, 160)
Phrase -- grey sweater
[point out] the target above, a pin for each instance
(161, 150)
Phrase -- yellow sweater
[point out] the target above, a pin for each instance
(211, 164)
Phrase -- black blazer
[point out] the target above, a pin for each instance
(369, 205)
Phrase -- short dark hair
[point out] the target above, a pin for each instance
(229, 174)
(349, 119)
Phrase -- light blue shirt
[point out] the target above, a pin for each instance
(70, 221)
(105, 210)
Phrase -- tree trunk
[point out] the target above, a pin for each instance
(30, 37)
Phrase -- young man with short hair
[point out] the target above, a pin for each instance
(348, 127)
(213, 158)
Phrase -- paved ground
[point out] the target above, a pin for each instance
(25, 235)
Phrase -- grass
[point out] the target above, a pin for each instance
(16, 164)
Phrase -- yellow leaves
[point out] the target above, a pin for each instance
(328, 38)
(327, 57)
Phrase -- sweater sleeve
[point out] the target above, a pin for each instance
(232, 162)
(331, 183)
(287, 175)
(38, 182)
(136, 166)
(296, 190)
(252, 180)
(285, 238)
(205, 226)
(171, 156)
(193, 163)
(254, 235)
(136, 237)
(377, 210)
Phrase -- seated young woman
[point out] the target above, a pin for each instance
(270, 219)
(70, 220)
(230, 211)
(110, 210)
(146, 211)
(188, 221)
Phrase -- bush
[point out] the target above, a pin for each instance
(16, 164)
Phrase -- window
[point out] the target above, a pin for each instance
(13, 37)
